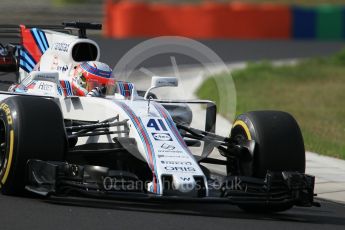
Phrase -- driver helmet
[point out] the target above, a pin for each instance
(89, 75)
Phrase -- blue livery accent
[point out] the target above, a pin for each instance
(40, 40)
(123, 91)
(142, 132)
(59, 90)
(44, 39)
(69, 88)
(26, 61)
(26, 67)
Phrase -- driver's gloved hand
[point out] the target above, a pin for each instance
(97, 92)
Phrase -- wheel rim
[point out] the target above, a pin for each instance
(246, 168)
(3, 143)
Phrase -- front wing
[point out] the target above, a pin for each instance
(64, 179)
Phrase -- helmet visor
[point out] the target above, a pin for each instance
(93, 83)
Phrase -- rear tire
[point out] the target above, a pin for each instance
(30, 128)
(279, 147)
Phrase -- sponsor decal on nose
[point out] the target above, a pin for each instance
(162, 136)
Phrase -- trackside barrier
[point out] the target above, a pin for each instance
(329, 22)
(303, 22)
(206, 20)
(125, 19)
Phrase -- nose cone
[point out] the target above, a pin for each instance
(183, 183)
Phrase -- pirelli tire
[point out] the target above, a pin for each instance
(30, 128)
(279, 147)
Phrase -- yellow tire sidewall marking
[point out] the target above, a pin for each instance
(7, 111)
(245, 128)
(10, 156)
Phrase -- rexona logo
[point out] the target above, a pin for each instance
(45, 86)
(162, 136)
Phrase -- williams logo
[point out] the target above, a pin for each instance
(162, 136)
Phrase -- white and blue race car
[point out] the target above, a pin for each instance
(131, 145)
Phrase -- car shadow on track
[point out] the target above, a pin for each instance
(330, 213)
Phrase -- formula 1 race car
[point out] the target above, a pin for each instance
(130, 145)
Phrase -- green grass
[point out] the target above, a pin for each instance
(313, 91)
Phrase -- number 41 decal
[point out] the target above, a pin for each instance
(157, 124)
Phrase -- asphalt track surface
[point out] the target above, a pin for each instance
(228, 50)
(30, 213)
(35, 213)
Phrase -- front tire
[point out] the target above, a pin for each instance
(279, 147)
(30, 128)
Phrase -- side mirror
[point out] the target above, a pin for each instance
(158, 82)
(46, 83)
